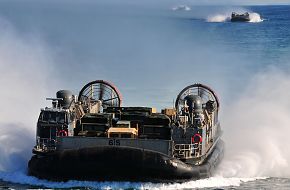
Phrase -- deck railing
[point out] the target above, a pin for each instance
(45, 144)
(186, 151)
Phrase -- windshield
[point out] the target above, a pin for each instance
(52, 117)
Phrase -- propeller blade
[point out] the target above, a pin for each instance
(92, 92)
(107, 104)
(204, 95)
(101, 91)
(110, 99)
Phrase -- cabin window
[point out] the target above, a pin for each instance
(53, 117)
(60, 117)
(47, 132)
(49, 116)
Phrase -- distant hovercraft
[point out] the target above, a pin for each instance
(245, 17)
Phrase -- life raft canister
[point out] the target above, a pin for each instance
(196, 138)
(62, 133)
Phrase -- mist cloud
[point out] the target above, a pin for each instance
(257, 129)
(25, 68)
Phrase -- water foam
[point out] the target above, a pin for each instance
(255, 17)
(20, 177)
(218, 18)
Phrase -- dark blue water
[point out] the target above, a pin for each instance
(150, 52)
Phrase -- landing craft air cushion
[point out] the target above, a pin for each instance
(245, 17)
(93, 137)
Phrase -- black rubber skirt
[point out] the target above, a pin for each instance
(119, 163)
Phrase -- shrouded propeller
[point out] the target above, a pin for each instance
(100, 91)
(191, 93)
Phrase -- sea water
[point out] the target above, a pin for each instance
(151, 52)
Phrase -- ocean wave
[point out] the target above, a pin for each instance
(181, 8)
(20, 177)
(218, 18)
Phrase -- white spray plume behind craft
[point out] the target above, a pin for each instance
(255, 17)
(218, 18)
(257, 128)
(23, 65)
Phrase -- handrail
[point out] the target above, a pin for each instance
(210, 150)
(45, 144)
(187, 150)
(191, 146)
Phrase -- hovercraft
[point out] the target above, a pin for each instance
(245, 17)
(93, 137)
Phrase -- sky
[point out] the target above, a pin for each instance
(189, 2)
(245, 2)
(236, 2)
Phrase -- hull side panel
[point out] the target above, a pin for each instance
(118, 163)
